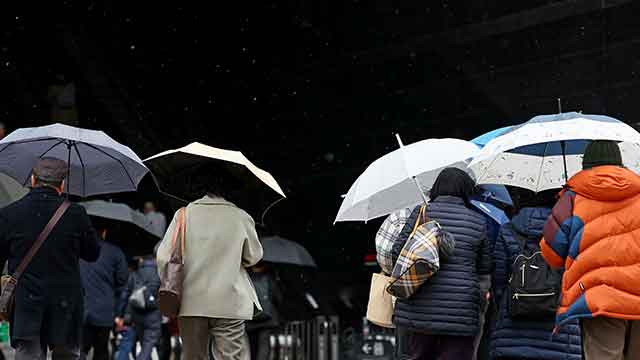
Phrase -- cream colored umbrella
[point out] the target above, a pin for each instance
(172, 170)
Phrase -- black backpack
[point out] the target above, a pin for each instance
(534, 287)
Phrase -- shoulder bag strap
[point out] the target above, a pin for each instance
(179, 231)
(41, 238)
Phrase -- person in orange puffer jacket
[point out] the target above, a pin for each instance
(594, 233)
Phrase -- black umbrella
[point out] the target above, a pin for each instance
(282, 251)
(129, 229)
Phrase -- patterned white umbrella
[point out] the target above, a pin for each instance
(542, 153)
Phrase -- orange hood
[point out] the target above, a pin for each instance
(605, 183)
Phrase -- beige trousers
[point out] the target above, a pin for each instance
(610, 339)
(228, 338)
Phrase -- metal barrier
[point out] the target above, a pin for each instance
(317, 339)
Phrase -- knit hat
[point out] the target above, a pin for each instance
(601, 152)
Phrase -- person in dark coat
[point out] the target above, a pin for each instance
(442, 318)
(263, 326)
(147, 319)
(102, 280)
(527, 339)
(49, 305)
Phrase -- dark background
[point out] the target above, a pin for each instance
(313, 91)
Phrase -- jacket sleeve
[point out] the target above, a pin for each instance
(4, 241)
(252, 248)
(557, 231)
(485, 256)
(501, 271)
(163, 254)
(121, 270)
(89, 249)
(123, 302)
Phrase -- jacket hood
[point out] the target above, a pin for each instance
(530, 221)
(605, 183)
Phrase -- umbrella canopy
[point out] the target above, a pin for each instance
(496, 192)
(129, 228)
(546, 150)
(119, 212)
(484, 139)
(494, 212)
(387, 184)
(283, 251)
(10, 190)
(173, 168)
(98, 164)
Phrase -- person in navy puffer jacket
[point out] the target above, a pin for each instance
(441, 319)
(527, 339)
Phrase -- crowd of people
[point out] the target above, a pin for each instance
(79, 293)
(558, 281)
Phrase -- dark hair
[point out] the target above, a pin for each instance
(213, 180)
(453, 182)
(528, 198)
(50, 171)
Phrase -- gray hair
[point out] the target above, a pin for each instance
(50, 171)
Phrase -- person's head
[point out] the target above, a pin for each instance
(453, 182)
(600, 153)
(214, 181)
(149, 207)
(50, 172)
(543, 199)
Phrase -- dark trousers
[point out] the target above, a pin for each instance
(96, 337)
(35, 350)
(260, 341)
(417, 346)
(164, 346)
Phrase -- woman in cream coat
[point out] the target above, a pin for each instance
(218, 296)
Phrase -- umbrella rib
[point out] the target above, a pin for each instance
(114, 158)
(544, 153)
(60, 141)
(84, 184)
(27, 141)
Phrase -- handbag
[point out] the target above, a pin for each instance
(420, 257)
(381, 304)
(10, 282)
(172, 276)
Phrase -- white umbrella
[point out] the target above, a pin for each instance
(388, 183)
(543, 152)
(97, 163)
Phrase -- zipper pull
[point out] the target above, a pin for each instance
(522, 268)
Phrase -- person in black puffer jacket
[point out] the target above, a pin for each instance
(441, 320)
(518, 338)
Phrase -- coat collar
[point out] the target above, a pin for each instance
(44, 190)
(448, 199)
(212, 200)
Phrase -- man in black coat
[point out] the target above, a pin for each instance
(49, 303)
(101, 280)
